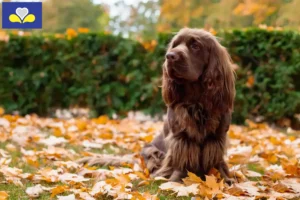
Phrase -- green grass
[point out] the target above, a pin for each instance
(18, 193)
(257, 168)
(153, 188)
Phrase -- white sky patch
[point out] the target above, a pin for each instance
(115, 10)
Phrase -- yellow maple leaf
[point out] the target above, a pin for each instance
(192, 179)
(3, 195)
(211, 181)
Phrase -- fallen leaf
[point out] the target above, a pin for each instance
(282, 188)
(236, 191)
(58, 190)
(34, 191)
(69, 197)
(180, 189)
(3, 195)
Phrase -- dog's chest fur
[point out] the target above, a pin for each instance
(189, 125)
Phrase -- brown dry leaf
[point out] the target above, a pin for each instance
(282, 188)
(270, 157)
(215, 173)
(3, 195)
(236, 191)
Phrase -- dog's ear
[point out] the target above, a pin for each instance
(218, 77)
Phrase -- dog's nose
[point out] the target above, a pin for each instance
(172, 56)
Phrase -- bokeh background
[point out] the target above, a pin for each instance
(143, 18)
(106, 55)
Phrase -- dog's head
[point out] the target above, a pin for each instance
(196, 56)
(188, 54)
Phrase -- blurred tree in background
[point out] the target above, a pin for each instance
(58, 15)
(61, 14)
(228, 13)
(144, 19)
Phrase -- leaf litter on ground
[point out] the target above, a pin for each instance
(264, 161)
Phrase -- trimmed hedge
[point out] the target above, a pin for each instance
(272, 59)
(112, 74)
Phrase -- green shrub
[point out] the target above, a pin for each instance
(272, 58)
(112, 74)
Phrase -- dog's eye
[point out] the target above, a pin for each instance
(195, 46)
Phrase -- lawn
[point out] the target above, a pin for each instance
(37, 160)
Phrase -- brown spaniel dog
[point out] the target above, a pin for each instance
(198, 90)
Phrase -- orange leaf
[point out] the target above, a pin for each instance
(3, 195)
(236, 191)
(250, 81)
(112, 181)
(147, 138)
(32, 162)
(81, 125)
(214, 172)
(2, 111)
(106, 135)
(192, 179)
(58, 190)
(57, 132)
(141, 175)
(101, 120)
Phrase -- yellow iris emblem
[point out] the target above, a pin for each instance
(22, 16)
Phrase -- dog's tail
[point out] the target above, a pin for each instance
(107, 160)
